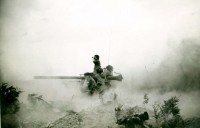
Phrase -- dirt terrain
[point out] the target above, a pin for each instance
(101, 116)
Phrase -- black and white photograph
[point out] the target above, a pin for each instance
(100, 63)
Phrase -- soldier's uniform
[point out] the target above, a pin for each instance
(99, 80)
(108, 71)
(97, 63)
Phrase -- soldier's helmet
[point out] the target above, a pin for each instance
(109, 67)
(96, 57)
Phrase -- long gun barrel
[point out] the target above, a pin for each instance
(118, 77)
(59, 77)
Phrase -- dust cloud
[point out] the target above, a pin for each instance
(155, 46)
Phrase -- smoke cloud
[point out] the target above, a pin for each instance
(179, 70)
(153, 44)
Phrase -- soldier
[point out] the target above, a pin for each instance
(108, 71)
(95, 81)
(100, 75)
(97, 63)
(99, 80)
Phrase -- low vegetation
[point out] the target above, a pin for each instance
(9, 105)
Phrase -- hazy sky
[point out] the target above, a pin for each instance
(48, 37)
(137, 37)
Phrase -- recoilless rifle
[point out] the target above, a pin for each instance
(90, 79)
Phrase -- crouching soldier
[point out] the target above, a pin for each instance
(98, 76)
(95, 81)
(108, 71)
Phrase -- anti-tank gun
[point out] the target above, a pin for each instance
(91, 82)
(117, 77)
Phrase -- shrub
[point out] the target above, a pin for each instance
(168, 114)
(9, 99)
